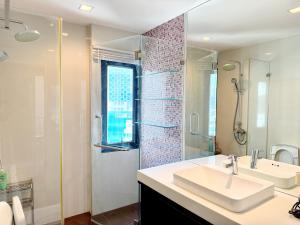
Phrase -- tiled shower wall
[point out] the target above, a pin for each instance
(161, 105)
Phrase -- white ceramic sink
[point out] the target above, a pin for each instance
(236, 193)
(5, 214)
(281, 174)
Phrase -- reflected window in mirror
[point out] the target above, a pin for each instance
(212, 116)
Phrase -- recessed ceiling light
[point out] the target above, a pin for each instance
(86, 8)
(65, 34)
(268, 53)
(51, 50)
(295, 10)
(51, 24)
(206, 38)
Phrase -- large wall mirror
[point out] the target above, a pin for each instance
(256, 45)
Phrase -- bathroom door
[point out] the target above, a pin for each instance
(115, 150)
(200, 103)
(258, 106)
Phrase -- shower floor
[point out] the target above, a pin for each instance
(127, 215)
(83, 219)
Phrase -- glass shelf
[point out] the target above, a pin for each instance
(22, 189)
(18, 187)
(162, 73)
(159, 99)
(167, 126)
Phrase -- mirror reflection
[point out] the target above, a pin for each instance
(257, 55)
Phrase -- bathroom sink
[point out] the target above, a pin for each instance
(236, 193)
(283, 175)
(5, 214)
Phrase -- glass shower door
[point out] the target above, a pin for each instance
(258, 106)
(115, 141)
(200, 103)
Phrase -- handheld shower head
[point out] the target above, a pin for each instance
(233, 80)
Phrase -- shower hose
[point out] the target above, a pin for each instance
(239, 133)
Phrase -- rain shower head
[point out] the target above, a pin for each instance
(232, 65)
(23, 36)
(228, 67)
(27, 35)
(3, 56)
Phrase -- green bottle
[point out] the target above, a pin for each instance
(3, 178)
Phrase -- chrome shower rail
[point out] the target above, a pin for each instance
(114, 148)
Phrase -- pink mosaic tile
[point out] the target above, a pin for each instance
(164, 50)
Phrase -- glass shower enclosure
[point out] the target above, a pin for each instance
(115, 138)
(137, 103)
(29, 115)
(200, 102)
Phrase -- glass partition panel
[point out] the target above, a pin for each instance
(200, 103)
(115, 140)
(29, 112)
(259, 76)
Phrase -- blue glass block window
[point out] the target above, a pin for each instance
(212, 116)
(119, 91)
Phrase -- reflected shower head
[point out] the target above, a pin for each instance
(228, 67)
(3, 56)
(27, 35)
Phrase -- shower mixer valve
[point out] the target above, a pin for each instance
(239, 130)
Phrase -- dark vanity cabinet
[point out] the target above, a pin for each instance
(159, 210)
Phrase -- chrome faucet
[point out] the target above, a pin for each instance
(254, 157)
(233, 164)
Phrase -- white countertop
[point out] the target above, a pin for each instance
(294, 191)
(271, 212)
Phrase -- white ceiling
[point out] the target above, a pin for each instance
(131, 15)
(239, 23)
(229, 23)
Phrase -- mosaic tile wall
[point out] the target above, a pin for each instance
(162, 94)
